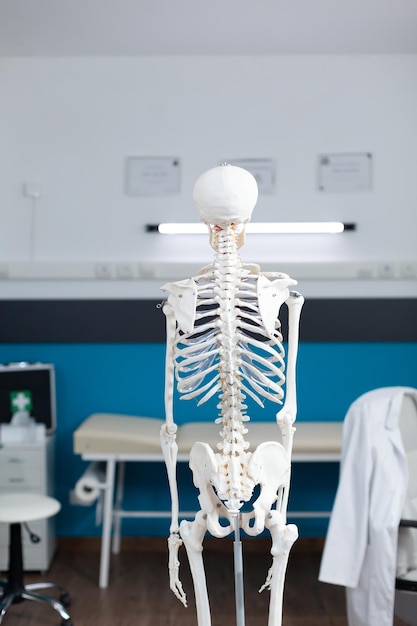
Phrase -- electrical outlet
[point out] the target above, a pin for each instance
(103, 270)
(386, 270)
(124, 271)
(366, 271)
(146, 271)
(408, 269)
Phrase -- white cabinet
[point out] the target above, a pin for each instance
(29, 468)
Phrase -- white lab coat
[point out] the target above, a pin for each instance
(361, 544)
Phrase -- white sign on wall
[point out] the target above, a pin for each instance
(345, 172)
(264, 171)
(152, 176)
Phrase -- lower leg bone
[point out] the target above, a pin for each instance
(283, 537)
(192, 534)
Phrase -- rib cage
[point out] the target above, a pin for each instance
(231, 333)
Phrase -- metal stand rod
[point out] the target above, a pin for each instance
(238, 561)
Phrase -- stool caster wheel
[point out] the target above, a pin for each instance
(65, 601)
(66, 622)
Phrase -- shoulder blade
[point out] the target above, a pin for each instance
(183, 298)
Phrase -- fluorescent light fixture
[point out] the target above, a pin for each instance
(258, 228)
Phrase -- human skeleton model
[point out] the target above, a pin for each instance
(224, 339)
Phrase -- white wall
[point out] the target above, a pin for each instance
(69, 123)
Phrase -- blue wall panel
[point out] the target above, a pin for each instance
(129, 378)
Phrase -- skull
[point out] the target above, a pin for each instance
(225, 195)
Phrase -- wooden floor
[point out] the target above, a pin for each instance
(139, 594)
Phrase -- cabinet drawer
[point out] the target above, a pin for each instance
(21, 469)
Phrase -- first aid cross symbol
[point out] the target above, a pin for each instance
(20, 401)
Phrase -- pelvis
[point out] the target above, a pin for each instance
(268, 466)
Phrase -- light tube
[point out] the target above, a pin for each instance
(259, 228)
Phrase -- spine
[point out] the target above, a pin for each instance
(233, 487)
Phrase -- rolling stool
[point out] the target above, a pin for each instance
(17, 509)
